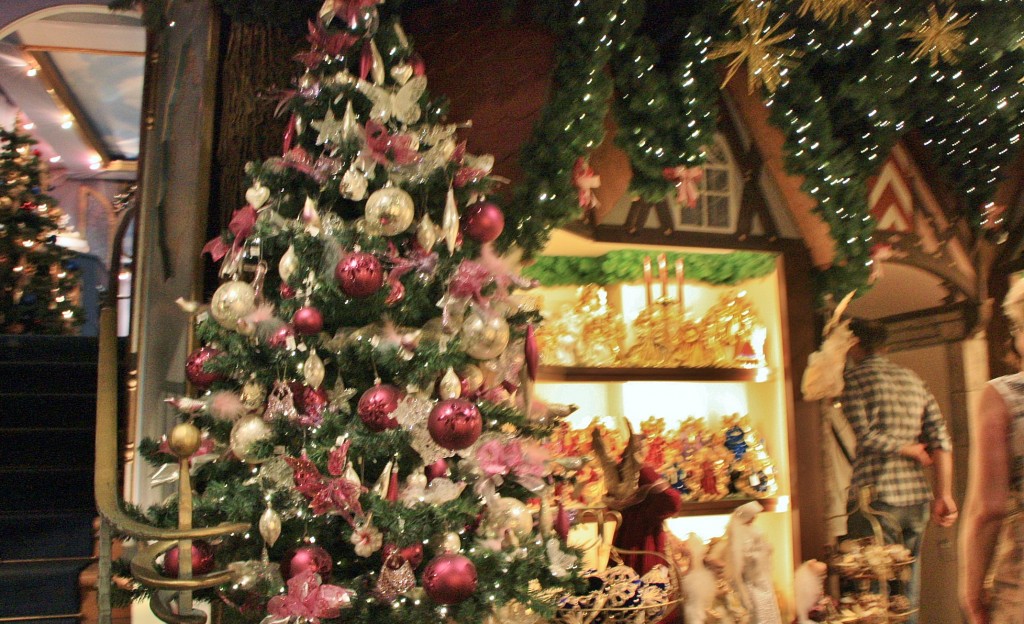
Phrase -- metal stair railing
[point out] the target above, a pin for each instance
(108, 503)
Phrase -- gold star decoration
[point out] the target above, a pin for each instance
(759, 47)
(831, 11)
(939, 37)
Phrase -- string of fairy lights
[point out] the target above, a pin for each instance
(843, 80)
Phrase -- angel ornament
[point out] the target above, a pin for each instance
(750, 565)
(823, 377)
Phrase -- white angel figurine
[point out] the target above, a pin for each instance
(808, 586)
(749, 567)
(699, 584)
(823, 377)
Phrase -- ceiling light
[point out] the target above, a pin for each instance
(66, 124)
(32, 71)
(28, 126)
(95, 166)
(55, 159)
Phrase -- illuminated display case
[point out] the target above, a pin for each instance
(755, 386)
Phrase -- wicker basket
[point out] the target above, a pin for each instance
(623, 600)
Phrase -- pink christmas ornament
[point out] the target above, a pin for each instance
(376, 406)
(202, 559)
(308, 321)
(449, 579)
(306, 558)
(195, 368)
(436, 470)
(413, 554)
(359, 274)
(483, 221)
(310, 403)
(282, 336)
(455, 424)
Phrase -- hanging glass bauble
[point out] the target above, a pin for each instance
(389, 211)
(288, 264)
(484, 336)
(232, 301)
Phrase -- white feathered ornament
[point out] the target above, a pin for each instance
(823, 377)
(808, 584)
(699, 584)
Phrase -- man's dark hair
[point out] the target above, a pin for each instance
(872, 334)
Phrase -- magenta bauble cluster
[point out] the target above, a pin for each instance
(449, 579)
(195, 368)
(359, 274)
(483, 221)
(455, 424)
(376, 406)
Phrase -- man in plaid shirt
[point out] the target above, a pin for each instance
(900, 431)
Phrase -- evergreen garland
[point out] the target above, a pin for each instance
(856, 90)
(626, 265)
(570, 126)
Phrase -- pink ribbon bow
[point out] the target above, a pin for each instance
(686, 179)
(585, 181)
(240, 227)
(309, 599)
(335, 495)
(497, 459)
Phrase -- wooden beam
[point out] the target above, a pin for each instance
(32, 49)
(65, 99)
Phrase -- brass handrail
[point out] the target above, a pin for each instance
(107, 500)
(108, 504)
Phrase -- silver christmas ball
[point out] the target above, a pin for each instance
(484, 337)
(246, 432)
(389, 211)
(232, 301)
(510, 513)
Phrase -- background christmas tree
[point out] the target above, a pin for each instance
(38, 278)
(364, 382)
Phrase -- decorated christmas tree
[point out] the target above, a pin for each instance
(363, 387)
(38, 278)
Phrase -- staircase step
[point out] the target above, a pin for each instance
(43, 447)
(55, 534)
(37, 409)
(48, 348)
(25, 489)
(67, 375)
(48, 588)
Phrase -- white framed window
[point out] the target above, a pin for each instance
(720, 190)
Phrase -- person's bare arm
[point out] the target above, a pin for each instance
(944, 510)
(985, 507)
